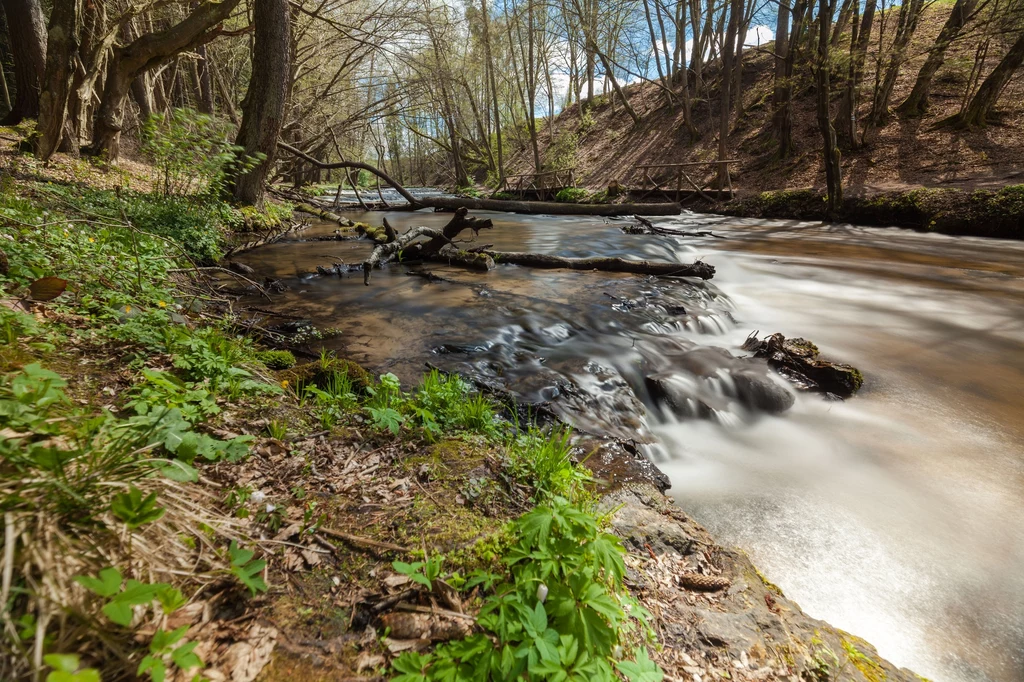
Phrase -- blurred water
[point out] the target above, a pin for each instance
(898, 515)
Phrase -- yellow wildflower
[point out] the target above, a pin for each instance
(284, 384)
(161, 304)
(91, 239)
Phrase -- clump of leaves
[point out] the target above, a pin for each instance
(560, 613)
(121, 600)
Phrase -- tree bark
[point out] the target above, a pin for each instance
(62, 48)
(909, 14)
(26, 30)
(264, 107)
(846, 117)
(783, 122)
(833, 172)
(916, 103)
(725, 89)
(205, 81)
(977, 111)
(142, 54)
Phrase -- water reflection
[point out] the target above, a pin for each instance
(898, 515)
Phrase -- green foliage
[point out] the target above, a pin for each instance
(162, 390)
(421, 572)
(120, 603)
(193, 152)
(276, 359)
(503, 196)
(571, 195)
(67, 668)
(563, 151)
(246, 569)
(544, 461)
(560, 613)
(135, 510)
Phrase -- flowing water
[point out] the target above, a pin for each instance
(897, 515)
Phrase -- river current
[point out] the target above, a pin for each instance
(897, 515)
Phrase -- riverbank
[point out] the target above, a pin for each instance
(981, 212)
(185, 497)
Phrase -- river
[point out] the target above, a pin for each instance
(897, 515)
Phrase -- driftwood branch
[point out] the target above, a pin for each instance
(438, 248)
(382, 253)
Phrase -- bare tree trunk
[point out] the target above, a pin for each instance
(977, 111)
(657, 55)
(62, 49)
(846, 117)
(910, 12)
(492, 85)
(618, 90)
(26, 30)
(725, 90)
(267, 96)
(205, 82)
(833, 172)
(142, 96)
(784, 113)
(916, 102)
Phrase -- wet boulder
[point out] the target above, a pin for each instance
(757, 391)
(798, 361)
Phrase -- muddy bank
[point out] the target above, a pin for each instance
(981, 213)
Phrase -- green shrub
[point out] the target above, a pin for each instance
(193, 152)
(560, 611)
(571, 195)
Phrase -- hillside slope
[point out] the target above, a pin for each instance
(605, 146)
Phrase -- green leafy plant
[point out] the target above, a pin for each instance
(246, 569)
(192, 151)
(134, 510)
(276, 359)
(561, 612)
(422, 572)
(67, 668)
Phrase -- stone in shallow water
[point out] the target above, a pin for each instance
(797, 360)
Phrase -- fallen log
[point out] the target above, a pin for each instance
(549, 207)
(637, 267)
(531, 207)
(324, 215)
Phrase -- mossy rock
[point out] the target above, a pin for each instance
(319, 373)
(276, 359)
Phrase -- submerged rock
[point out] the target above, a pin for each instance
(797, 360)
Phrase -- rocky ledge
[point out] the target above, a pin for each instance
(716, 616)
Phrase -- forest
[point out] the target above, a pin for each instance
(464, 341)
